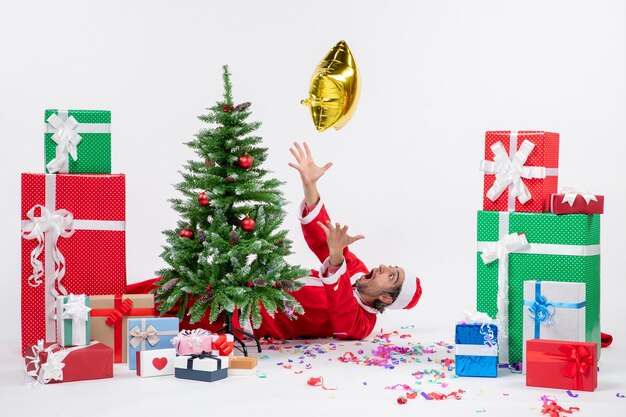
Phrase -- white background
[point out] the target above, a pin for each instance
(435, 76)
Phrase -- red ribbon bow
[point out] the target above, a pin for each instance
(224, 347)
(579, 361)
(555, 410)
(118, 313)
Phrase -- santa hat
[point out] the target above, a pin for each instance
(410, 293)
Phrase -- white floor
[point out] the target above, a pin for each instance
(280, 387)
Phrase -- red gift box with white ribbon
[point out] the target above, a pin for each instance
(576, 201)
(562, 364)
(73, 241)
(521, 170)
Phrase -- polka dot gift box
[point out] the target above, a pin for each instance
(73, 241)
(521, 170)
(77, 141)
(518, 247)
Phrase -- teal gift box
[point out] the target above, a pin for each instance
(73, 320)
(150, 334)
(516, 247)
(77, 141)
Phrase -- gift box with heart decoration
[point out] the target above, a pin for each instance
(73, 241)
(158, 362)
(77, 141)
(148, 334)
(521, 170)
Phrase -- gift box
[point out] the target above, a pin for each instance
(73, 320)
(576, 202)
(518, 247)
(190, 342)
(561, 364)
(553, 310)
(224, 344)
(73, 241)
(158, 362)
(149, 334)
(77, 141)
(521, 170)
(242, 365)
(476, 351)
(50, 363)
(206, 367)
(109, 319)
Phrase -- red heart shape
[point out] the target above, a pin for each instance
(159, 363)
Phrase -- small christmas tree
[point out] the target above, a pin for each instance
(228, 252)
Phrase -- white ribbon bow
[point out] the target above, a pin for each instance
(500, 250)
(572, 192)
(509, 172)
(59, 223)
(51, 369)
(67, 139)
(75, 308)
(474, 317)
(150, 334)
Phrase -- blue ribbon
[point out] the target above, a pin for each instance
(541, 310)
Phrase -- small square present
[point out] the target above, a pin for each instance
(193, 342)
(148, 334)
(77, 141)
(574, 201)
(554, 310)
(73, 325)
(109, 319)
(561, 364)
(207, 367)
(224, 344)
(50, 363)
(521, 170)
(242, 365)
(476, 349)
(158, 362)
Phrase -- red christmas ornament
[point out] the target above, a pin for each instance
(229, 179)
(203, 199)
(248, 224)
(186, 233)
(208, 287)
(245, 161)
(232, 107)
(401, 400)
(276, 285)
(249, 283)
(225, 108)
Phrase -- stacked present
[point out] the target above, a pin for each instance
(203, 356)
(538, 272)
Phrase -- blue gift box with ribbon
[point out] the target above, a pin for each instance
(150, 334)
(208, 367)
(476, 349)
(554, 310)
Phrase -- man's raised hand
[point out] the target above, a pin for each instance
(309, 171)
(337, 238)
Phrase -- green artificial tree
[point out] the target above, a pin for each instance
(228, 252)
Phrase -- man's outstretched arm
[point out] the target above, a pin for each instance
(309, 172)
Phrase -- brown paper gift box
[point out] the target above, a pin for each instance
(109, 319)
(242, 362)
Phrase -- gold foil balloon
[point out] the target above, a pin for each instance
(334, 89)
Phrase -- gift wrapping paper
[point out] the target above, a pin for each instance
(149, 334)
(77, 141)
(206, 367)
(50, 363)
(73, 241)
(73, 320)
(190, 342)
(158, 362)
(521, 170)
(476, 349)
(518, 247)
(553, 310)
(576, 203)
(562, 364)
(109, 319)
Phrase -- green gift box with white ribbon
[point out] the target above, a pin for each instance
(77, 141)
(73, 322)
(516, 247)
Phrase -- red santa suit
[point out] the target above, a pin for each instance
(333, 307)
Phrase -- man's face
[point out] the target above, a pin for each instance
(380, 279)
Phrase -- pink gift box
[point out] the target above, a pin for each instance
(193, 342)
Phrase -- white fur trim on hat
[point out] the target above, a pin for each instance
(410, 292)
